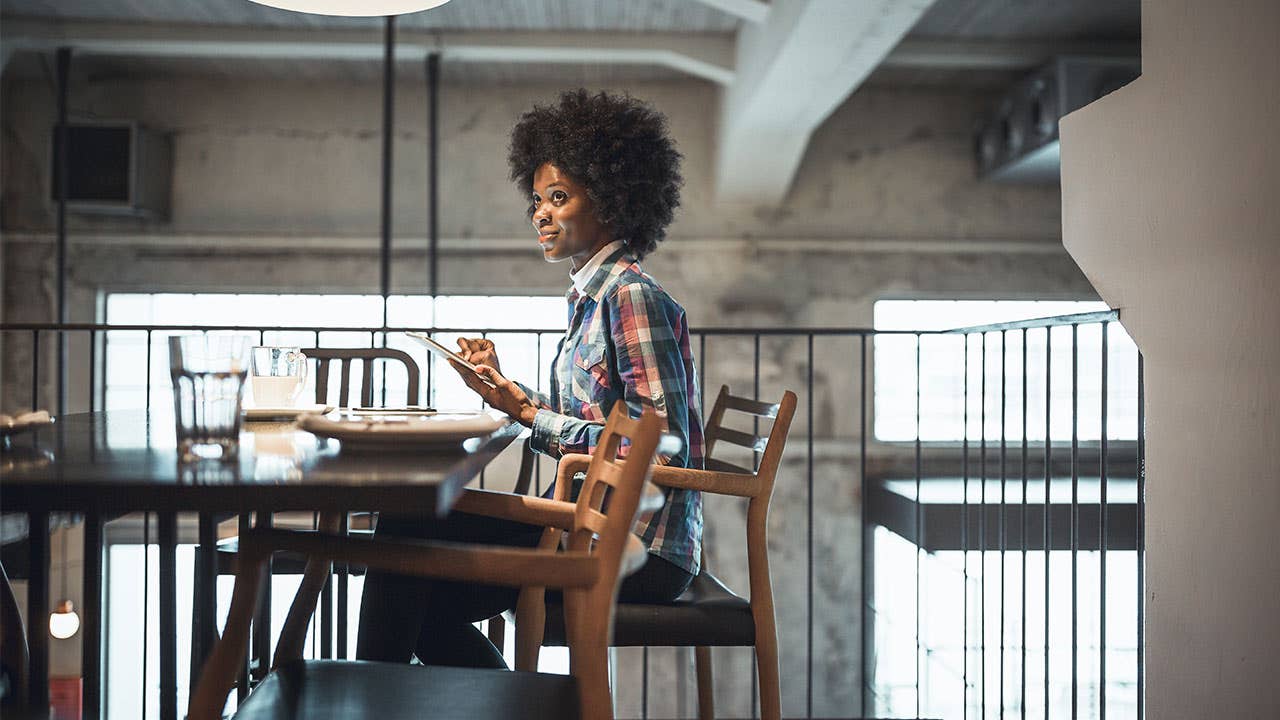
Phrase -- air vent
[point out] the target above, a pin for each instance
(1017, 141)
(115, 168)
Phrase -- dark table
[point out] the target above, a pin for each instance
(106, 464)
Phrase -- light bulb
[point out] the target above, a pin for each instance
(64, 622)
(350, 8)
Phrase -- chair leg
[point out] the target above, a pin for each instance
(706, 686)
(531, 619)
(767, 672)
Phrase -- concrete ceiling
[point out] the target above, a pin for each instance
(781, 67)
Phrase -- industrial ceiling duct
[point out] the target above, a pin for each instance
(1017, 140)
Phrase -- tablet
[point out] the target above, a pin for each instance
(439, 349)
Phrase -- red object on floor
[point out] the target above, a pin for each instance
(65, 696)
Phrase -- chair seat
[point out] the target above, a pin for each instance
(706, 614)
(350, 690)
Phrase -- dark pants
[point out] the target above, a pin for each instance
(402, 616)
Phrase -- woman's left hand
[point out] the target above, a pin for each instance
(502, 394)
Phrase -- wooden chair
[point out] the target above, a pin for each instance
(325, 356)
(588, 573)
(708, 613)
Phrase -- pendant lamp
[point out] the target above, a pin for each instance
(354, 8)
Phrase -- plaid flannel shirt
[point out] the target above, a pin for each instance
(628, 340)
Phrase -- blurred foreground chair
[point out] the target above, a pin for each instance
(708, 613)
(587, 572)
(324, 359)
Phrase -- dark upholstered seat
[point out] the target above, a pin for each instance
(347, 690)
(706, 614)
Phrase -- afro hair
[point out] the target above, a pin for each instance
(614, 145)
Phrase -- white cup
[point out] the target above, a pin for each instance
(278, 376)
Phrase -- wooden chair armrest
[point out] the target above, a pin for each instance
(521, 508)
(493, 565)
(570, 465)
(721, 483)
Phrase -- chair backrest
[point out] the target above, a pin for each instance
(769, 446)
(324, 356)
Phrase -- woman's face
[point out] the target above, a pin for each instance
(565, 218)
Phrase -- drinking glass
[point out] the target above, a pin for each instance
(279, 374)
(208, 375)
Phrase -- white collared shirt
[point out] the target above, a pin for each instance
(584, 273)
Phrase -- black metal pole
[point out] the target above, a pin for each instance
(433, 168)
(38, 610)
(866, 532)
(63, 63)
(91, 626)
(388, 130)
(1141, 533)
(167, 525)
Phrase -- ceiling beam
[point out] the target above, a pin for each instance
(792, 72)
(749, 10)
(706, 56)
(942, 54)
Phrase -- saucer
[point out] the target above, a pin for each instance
(275, 413)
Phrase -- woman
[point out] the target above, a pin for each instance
(603, 179)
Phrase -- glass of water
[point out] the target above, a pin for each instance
(208, 375)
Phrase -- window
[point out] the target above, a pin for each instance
(943, 398)
(525, 356)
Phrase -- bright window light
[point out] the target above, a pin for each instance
(995, 371)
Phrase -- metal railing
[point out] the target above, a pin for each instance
(895, 481)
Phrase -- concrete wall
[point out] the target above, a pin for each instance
(276, 188)
(1169, 205)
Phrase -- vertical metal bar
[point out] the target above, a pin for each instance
(537, 461)
(147, 372)
(343, 591)
(38, 609)
(35, 369)
(1102, 540)
(206, 602)
(91, 621)
(388, 137)
(262, 620)
(982, 534)
(702, 371)
(63, 63)
(326, 617)
(964, 537)
(1048, 485)
(1022, 674)
(809, 541)
(1075, 516)
(146, 604)
(242, 682)
(1141, 535)
(755, 466)
(93, 376)
(866, 532)
(1001, 522)
(485, 335)
(919, 525)
(433, 169)
(167, 529)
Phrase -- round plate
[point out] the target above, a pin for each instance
(385, 431)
